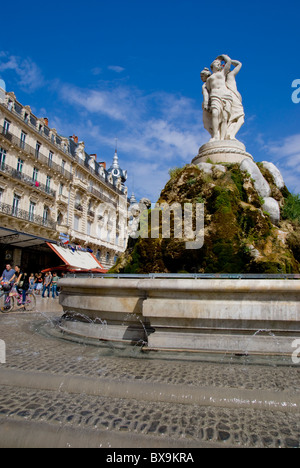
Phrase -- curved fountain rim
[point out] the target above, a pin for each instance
(222, 276)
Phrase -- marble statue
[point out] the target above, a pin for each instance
(223, 113)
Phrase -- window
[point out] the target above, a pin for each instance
(61, 189)
(50, 159)
(6, 126)
(45, 215)
(20, 165)
(76, 223)
(23, 138)
(37, 149)
(1, 195)
(2, 158)
(48, 183)
(89, 228)
(16, 203)
(35, 174)
(60, 218)
(107, 257)
(31, 211)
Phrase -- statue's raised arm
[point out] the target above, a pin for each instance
(227, 61)
(237, 66)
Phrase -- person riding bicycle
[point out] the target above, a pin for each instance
(22, 283)
(7, 280)
(8, 275)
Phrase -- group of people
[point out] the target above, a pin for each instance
(23, 282)
(44, 284)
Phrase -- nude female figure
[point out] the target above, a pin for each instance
(223, 112)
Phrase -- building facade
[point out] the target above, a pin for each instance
(51, 188)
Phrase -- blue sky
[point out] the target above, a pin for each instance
(130, 70)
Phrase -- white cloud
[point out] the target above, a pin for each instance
(288, 146)
(29, 75)
(96, 71)
(116, 104)
(116, 68)
(286, 155)
(155, 131)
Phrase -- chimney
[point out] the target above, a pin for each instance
(75, 138)
(94, 156)
(46, 121)
(103, 164)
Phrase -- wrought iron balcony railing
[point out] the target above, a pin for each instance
(25, 178)
(36, 153)
(27, 216)
(102, 197)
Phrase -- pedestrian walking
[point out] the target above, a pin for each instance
(55, 279)
(47, 284)
(39, 283)
(31, 281)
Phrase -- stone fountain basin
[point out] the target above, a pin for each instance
(214, 315)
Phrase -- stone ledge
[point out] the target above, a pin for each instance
(206, 315)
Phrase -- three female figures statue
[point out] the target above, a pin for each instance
(223, 112)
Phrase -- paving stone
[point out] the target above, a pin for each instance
(34, 345)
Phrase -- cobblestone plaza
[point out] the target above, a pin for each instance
(59, 393)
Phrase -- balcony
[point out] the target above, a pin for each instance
(31, 122)
(36, 154)
(27, 216)
(102, 197)
(4, 168)
(79, 207)
(62, 199)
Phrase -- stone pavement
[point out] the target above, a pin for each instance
(58, 393)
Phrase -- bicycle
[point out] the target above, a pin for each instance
(10, 300)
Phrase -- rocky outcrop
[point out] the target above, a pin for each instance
(246, 229)
(261, 185)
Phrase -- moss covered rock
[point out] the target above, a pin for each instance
(239, 235)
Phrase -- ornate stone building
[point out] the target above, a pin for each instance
(51, 187)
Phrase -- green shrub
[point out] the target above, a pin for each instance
(174, 172)
(238, 179)
(291, 208)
